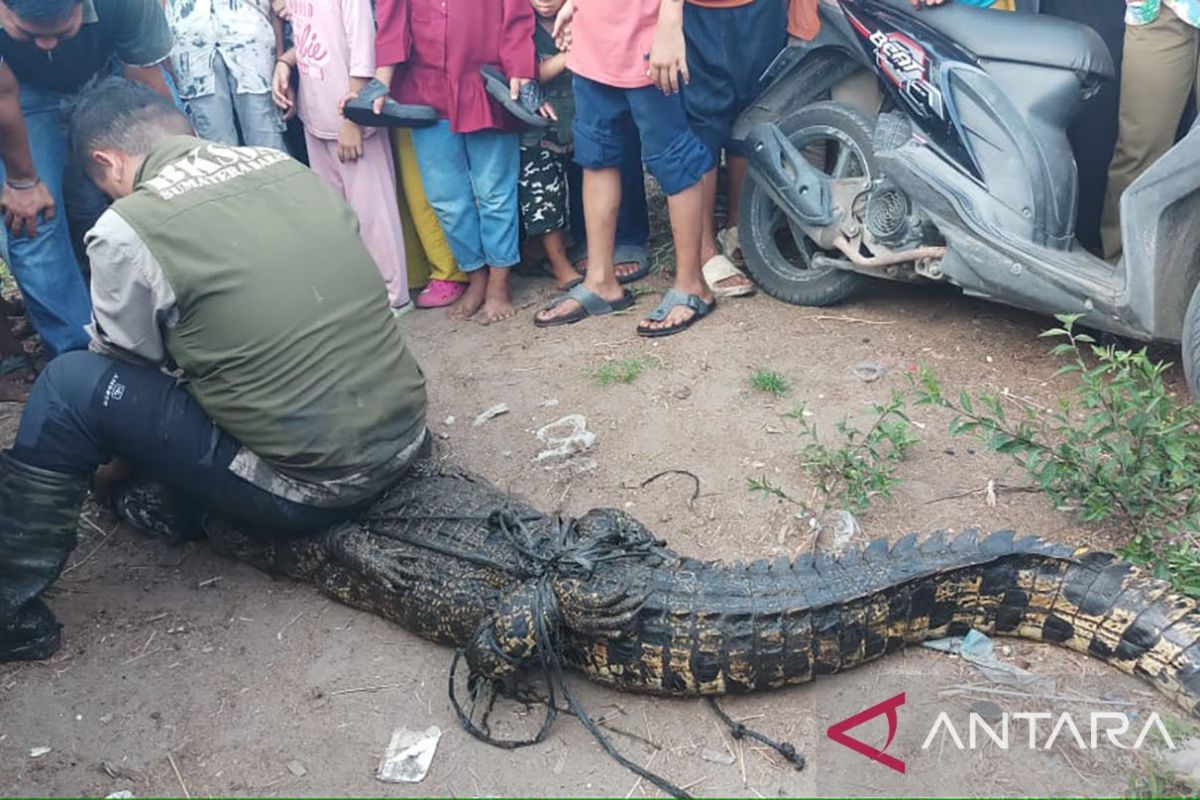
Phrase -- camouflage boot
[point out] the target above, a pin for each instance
(39, 513)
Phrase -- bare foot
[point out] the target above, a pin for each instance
(472, 299)
(563, 278)
(497, 302)
(732, 282)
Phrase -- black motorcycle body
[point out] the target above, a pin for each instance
(963, 174)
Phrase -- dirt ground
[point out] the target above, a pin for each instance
(184, 672)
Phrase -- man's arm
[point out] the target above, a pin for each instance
(153, 77)
(24, 196)
(143, 43)
(131, 298)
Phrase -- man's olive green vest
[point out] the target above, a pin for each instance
(284, 335)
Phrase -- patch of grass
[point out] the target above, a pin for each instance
(765, 487)
(624, 370)
(1116, 446)
(849, 473)
(768, 382)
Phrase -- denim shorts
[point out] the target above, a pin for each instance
(607, 116)
(728, 50)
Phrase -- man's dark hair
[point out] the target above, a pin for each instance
(118, 114)
(42, 10)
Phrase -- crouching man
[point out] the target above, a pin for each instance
(242, 352)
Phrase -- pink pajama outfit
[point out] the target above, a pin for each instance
(335, 40)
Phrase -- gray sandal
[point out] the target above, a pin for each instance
(590, 305)
(670, 300)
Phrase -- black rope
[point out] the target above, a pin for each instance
(738, 731)
(563, 554)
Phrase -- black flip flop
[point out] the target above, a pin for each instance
(670, 300)
(590, 305)
(394, 115)
(526, 107)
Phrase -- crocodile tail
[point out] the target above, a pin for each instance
(1086, 601)
(1114, 611)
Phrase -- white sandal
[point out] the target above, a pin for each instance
(727, 238)
(720, 268)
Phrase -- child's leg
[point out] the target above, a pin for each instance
(371, 191)
(323, 160)
(446, 176)
(212, 114)
(728, 50)
(602, 125)
(261, 124)
(679, 160)
(495, 163)
(543, 196)
(433, 239)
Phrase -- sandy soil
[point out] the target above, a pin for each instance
(185, 672)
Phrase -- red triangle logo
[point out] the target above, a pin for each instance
(837, 732)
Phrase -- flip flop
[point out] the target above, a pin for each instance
(394, 115)
(670, 300)
(625, 254)
(720, 268)
(590, 305)
(526, 107)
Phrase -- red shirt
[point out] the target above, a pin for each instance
(439, 46)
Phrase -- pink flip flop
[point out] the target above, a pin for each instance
(439, 293)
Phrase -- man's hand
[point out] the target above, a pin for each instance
(280, 7)
(350, 142)
(107, 477)
(562, 26)
(668, 58)
(23, 206)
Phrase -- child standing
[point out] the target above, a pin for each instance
(543, 188)
(335, 53)
(223, 58)
(470, 159)
(628, 57)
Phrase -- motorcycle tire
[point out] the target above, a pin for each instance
(1191, 344)
(777, 273)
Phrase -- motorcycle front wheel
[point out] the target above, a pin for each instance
(837, 140)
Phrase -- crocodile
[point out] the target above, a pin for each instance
(456, 561)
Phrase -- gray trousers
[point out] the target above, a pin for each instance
(213, 115)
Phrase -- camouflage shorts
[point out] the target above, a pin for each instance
(543, 190)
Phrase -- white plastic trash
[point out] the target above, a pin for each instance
(565, 437)
(409, 755)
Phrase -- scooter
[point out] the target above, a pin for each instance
(960, 171)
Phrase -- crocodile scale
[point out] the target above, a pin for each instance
(437, 554)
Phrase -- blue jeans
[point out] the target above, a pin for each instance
(607, 117)
(45, 266)
(86, 408)
(470, 180)
(257, 117)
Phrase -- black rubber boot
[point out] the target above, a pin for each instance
(39, 518)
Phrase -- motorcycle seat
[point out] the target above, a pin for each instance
(1020, 38)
